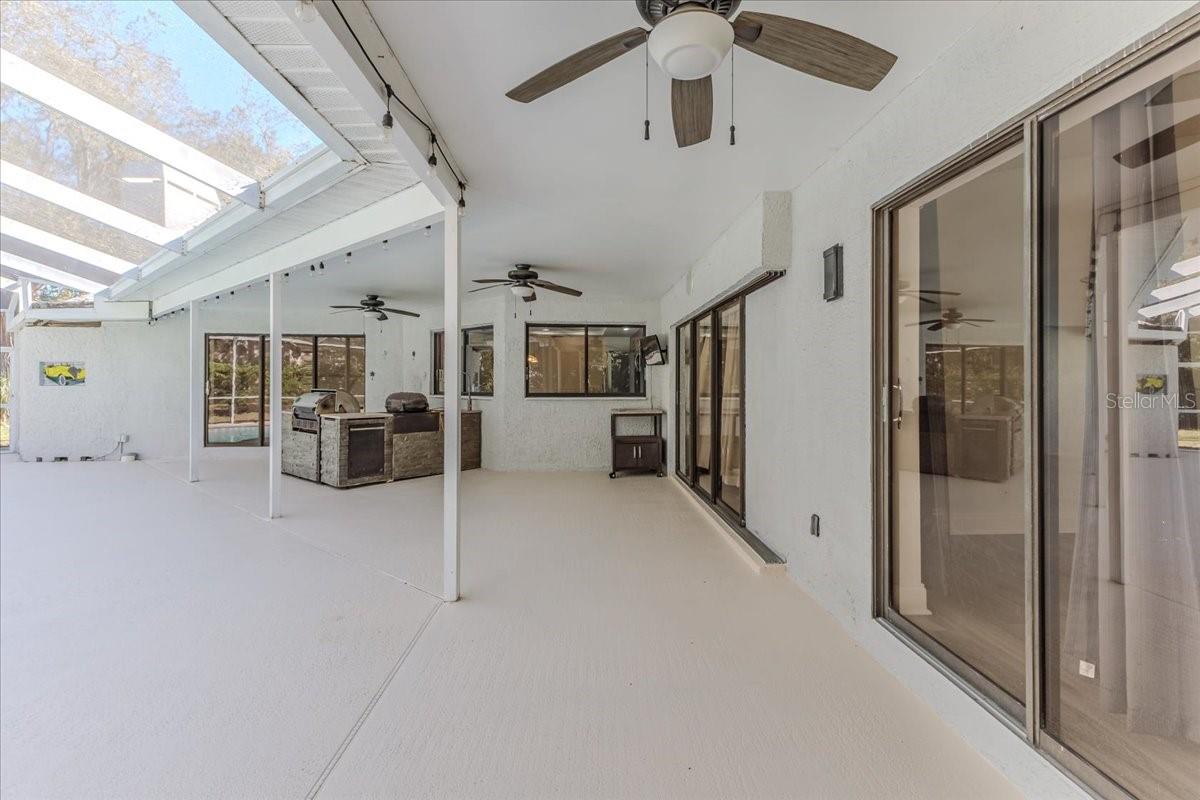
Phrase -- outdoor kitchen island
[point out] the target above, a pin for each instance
(329, 441)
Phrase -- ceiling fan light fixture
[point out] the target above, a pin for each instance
(522, 291)
(690, 43)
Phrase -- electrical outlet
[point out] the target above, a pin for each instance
(123, 438)
(814, 525)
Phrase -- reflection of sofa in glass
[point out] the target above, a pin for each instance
(984, 443)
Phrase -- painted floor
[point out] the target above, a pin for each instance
(156, 640)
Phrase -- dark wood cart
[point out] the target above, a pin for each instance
(642, 452)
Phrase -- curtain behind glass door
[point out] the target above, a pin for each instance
(1121, 458)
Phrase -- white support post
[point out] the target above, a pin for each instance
(276, 385)
(25, 293)
(452, 450)
(196, 393)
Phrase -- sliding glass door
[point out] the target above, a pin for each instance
(730, 420)
(705, 358)
(710, 411)
(957, 534)
(1121, 449)
(684, 418)
(1038, 440)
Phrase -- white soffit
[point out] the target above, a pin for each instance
(54, 92)
(35, 270)
(354, 192)
(65, 247)
(273, 33)
(33, 184)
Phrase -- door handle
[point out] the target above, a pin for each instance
(899, 417)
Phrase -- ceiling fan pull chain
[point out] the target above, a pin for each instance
(732, 127)
(646, 96)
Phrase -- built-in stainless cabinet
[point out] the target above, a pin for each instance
(1037, 432)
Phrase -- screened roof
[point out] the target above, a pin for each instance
(123, 126)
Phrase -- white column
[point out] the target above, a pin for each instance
(25, 292)
(276, 401)
(452, 450)
(196, 393)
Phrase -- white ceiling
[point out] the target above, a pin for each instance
(567, 181)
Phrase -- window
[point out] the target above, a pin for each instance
(237, 372)
(478, 361)
(584, 361)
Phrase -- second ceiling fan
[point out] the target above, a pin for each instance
(521, 281)
(689, 40)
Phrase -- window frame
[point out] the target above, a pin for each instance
(264, 340)
(1025, 128)
(586, 393)
(437, 359)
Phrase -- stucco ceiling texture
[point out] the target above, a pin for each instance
(567, 180)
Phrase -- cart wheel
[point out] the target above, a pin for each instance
(612, 474)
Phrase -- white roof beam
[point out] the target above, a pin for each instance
(6, 282)
(49, 274)
(284, 190)
(73, 200)
(54, 92)
(336, 45)
(224, 33)
(65, 247)
(405, 211)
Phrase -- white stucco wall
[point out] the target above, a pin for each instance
(136, 379)
(809, 362)
(543, 434)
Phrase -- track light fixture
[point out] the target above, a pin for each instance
(432, 160)
(428, 231)
(462, 200)
(385, 241)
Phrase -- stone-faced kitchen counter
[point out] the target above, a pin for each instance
(369, 460)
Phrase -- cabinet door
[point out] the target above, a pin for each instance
(625, 456)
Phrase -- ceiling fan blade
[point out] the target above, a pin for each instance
(345, 306)
(344, 310)
(692, 110)
(483, 288)
(577, 65)
(926, 300)
(1176, 137)
(492, 280)
(968, 322)
(400, 311)
(815, 49)
(975, 319)
(922, 322)
(554, 287)
(935, 291)
(530, 298)
(937, 326)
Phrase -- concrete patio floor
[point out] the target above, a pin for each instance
(158, 640)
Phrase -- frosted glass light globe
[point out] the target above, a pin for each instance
(691, 43)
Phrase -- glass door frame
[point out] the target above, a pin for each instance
(1025, 128)
(718, 392)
